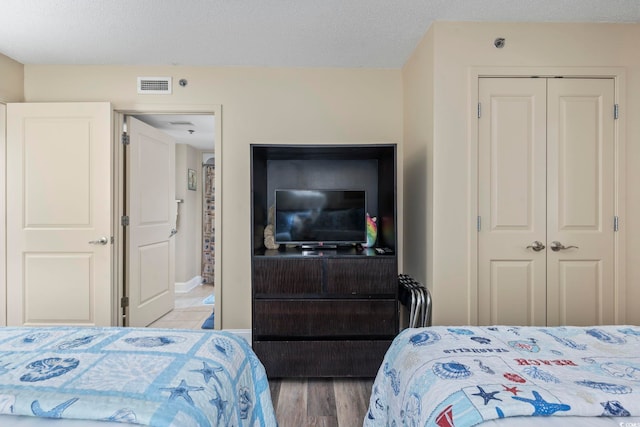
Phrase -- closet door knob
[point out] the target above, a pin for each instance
(557, 246)
(536, 246)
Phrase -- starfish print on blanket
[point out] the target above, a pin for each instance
(487, 396)
(182, 391)
(209, 372)
(542, 407)
(513, 389)
(219, 404)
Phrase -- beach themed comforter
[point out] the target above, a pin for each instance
(461, 376)
(156, 377)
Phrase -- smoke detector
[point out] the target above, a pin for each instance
(154, 85)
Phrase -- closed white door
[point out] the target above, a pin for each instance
(512, 202)
(545, 183)
(59, 228)
(580, 202)
(151, 207)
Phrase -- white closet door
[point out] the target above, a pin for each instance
(512, 201)
(580, 202)
(546, 175)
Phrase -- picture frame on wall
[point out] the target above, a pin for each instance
(191, 179)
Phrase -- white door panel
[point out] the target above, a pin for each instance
(511, 280)
(581, 201)
(59, 199)
(153, 275)
(152, 213)
(576, 299)
(512, 202)
(545, 174)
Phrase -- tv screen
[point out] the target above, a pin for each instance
(320, 217)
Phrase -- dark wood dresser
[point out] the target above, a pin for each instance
(324, 313)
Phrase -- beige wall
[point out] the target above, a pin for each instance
(258, 105)
(189, 221)
(458, 48)
(417, 78)
(351, 106)
(12, 81)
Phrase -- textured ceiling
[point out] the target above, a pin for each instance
(179, 126)
(273, 33)
(277, 33)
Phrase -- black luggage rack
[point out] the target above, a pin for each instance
(417, 299)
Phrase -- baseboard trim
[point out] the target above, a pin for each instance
(242, 333)
(184, 287)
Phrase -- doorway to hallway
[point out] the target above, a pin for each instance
(195, 136)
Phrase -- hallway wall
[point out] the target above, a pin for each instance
(189, 220)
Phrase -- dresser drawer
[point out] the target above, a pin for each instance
(279, 276)
(358, 358)
(325, 318)
(366, 276)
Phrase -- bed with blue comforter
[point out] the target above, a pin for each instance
(155, 377)
(464, 376)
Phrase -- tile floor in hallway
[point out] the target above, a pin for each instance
(189, 312)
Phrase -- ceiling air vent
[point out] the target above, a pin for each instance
(154, 85)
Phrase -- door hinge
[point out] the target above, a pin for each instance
(124, 302)
(616, 111)
(616, 223)
(124, 220)
(125, 138)
(479, 223)
(479, 110)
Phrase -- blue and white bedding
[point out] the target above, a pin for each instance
(155, 377)
(462, 376)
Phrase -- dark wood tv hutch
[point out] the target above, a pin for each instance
(324, 313)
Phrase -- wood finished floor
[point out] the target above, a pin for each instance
(320, 402)
(305, 402)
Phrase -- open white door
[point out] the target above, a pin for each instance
(59, 225)
(151, 207)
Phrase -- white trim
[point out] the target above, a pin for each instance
(242, 333)
(184, 287)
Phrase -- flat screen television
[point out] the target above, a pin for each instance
(320, 218)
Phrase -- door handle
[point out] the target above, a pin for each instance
(173, 232)
(557, 246)
(536, 246)
(101, 241)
